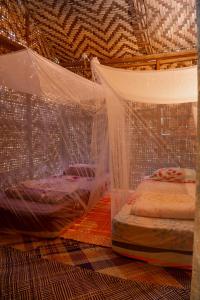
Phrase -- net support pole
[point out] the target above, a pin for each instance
(195, 290)
(29, 135)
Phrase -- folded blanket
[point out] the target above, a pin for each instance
(164, 205)
(166, 187)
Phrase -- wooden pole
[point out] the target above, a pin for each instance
(195, 290)
(29, 100)
(157, 64)
(186, 54)
(12, 45)
(27, 24)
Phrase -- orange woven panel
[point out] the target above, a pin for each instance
(94, 228)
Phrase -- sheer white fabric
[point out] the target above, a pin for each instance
(58, 126)
(28, 72)
(161, 87)
(151, 121)
(54, 145)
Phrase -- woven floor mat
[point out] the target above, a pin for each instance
(93, 228)
(26, 276)
(104, 260)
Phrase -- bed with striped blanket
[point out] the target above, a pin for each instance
(160, 241)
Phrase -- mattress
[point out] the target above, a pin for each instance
(37, 219)
(52, 190)
(43, 207)
(166, 242)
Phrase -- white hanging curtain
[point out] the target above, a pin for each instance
(28, 72)
(151, 119)
(160, 87)
(53, 136)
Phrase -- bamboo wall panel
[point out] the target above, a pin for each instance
(166, 140)
(39, 138)
(106, 28)
(65, 30)
(13, 24)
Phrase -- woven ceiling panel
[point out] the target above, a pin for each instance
(13, 25)
(102, 28)
(171, 24)
(107, 28)
(12, 22)
(64, 30)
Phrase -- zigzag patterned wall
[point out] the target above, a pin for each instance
(100, 28)
(172, 24)
(13, 26)
(12, 23)
(111, 28)
(104, 28)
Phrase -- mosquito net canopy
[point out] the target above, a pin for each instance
(151, 120)
(161, 87)
(28, 72)
(51, 170)
(152, 148)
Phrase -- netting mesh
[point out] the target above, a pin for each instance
(60, 150)
(152, 127)
(38, 137)
(159, 136)
(53, 162)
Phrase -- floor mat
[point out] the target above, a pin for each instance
(93, 228)
(104, 260)
(27, 276)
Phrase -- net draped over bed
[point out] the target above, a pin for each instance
(63, 138)
(152, 123)
(152, 118)
(51, 171)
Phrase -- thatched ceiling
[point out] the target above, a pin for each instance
(110, 28)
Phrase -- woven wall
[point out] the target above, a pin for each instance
(38, 138)
(63, 31)
(13, 26)
(159, 136)
(108, 29)
(12, 20)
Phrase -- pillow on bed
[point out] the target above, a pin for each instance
(80, 170)
(174, 175)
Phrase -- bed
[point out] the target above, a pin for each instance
(41, 208)
(161, 241)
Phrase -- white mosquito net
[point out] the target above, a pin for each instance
(152, 129)
(51, 171)
(64, 138)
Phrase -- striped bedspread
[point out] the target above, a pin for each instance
(160, 241)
